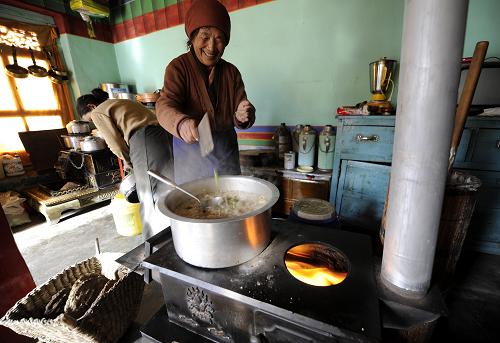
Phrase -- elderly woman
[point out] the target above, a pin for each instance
(199, 82)
(133, 134)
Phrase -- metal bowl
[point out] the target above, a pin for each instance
(220, 243)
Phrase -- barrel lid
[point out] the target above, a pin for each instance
(313, 209)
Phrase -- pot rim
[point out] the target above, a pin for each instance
(275, 194)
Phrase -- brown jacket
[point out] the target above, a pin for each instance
(117, 120)
(185, 95)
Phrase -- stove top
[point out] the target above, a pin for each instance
(348, 309)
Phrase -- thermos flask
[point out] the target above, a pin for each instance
(326, 147)
(307, 144)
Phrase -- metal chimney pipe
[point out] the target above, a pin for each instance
(432, 45)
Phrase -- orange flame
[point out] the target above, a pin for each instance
(314, 275)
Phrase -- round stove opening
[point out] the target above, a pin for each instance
(317, 264)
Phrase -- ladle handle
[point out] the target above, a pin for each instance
(169, 182)
(32, 57)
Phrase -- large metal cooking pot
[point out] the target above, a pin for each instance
(78, 127)
(72, 141)
(220, 243)
(92, 143)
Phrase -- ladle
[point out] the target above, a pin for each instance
(215, 201)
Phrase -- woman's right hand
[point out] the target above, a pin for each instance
(189, 131)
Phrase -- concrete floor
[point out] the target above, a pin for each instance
(48, 249)
(473, 300)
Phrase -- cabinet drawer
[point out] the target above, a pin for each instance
(361, 194)
(486, 149)
(367, 143)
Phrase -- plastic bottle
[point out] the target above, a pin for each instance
(126, 216)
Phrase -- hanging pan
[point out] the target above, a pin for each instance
(35, 69)
(15, 70)
(55, 75)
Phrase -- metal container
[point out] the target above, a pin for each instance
(12, 165)
(289, 160)
(92, 143)
(78, 127)
(295, 137)
(326, 147)
(72, 141)
(282, 141)
(128, 96)
(128, 188)
(114, 88)
(307, 145)
(221, 243)
(381, 73)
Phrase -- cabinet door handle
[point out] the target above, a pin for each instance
(372, 138)
(498, 145)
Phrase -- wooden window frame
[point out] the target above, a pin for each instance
(61, 92)
(65, 110)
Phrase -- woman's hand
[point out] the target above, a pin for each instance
(245, 112)
(189, 131)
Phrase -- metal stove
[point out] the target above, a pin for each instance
(261, 301)
(95, 177)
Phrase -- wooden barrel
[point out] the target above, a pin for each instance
(458, 207)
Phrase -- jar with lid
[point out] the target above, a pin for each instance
(282, 142)
(12, 165)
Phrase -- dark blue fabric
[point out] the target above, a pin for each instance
(190, 165)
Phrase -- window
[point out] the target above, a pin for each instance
(27, 104)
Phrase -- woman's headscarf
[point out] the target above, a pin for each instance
(208, 13)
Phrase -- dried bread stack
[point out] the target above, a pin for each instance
(75, 302)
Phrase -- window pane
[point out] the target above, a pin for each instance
(36, 93)
(7, 102)
(9, 139)
(44, 122)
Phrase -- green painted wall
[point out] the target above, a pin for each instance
(300, 59)
(483, 23)
(89, 61)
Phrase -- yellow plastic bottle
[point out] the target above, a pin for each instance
(126, 216)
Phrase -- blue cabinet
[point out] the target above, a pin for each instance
(362, 164)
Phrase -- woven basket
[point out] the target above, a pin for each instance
(105, 321)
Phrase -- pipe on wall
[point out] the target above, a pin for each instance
(432, 44)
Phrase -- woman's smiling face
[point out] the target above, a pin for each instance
(209, 44)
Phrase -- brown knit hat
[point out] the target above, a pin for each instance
(208, 13)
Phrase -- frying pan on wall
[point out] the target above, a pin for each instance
(35, 69)
(55, 75)
(15, 70)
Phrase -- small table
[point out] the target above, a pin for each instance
(52, 207)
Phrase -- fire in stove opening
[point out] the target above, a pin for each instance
(317, 264)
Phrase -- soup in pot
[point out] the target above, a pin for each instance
(233, 204)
